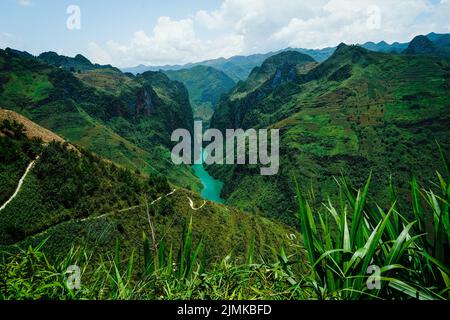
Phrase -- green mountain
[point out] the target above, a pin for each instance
(357, 112)
(236, 67)
(240, 67)
(383, 46)
(439, 39)
(205, 86)
(70, 197)
(77, 64)
(120, 117)
(424, 45)
(86, 178)
(276, 71)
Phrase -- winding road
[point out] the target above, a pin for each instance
(191, 204)
(19, 186)
(30, 167)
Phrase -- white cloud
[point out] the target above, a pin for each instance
(251, 26)
(172, 41)
(98, 55)
(9, 40)
(24, 3)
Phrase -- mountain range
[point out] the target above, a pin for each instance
(239, 67)
(71, 197)
(85, 149)
(359, 112)
(127, 119)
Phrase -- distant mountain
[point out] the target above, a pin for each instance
(385, 47)
(22, 54)
(442, 40)
(421, 45)
(237, 67)
(358, 112)
(205, 86)
(434, 45)
(428, 44)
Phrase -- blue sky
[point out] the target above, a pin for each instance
(40, 25)
(127, 33)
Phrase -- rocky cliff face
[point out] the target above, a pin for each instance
(121, 117)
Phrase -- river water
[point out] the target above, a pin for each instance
(211, 187)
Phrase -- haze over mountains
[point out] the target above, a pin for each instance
(239, 67)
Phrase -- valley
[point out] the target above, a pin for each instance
(88, 177)
(354, 114)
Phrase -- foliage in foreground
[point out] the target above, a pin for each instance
(29, 275)
(410, 251)
(345, 243)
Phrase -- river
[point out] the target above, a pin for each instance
(211, 187)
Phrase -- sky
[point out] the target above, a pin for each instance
(132, 32)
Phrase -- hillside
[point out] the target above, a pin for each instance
(129, 124)
(31, 130)
(205, 86)
(76, 199)
(276, 71)
(424, 45)
(357, 112)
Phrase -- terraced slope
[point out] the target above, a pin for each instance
(356, 113)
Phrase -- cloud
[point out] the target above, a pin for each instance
(269, 25)
(257, 20)
(253, 26)
(351, 22)
(172, 41)
(24, 3)
(10, 40)
(98, 55)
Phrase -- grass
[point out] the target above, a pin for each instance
(410, 249)
(343, 241)
(28, 274)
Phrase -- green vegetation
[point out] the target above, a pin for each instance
(15, 153)
(410, 250)
(107, 198)
(77, 64)
(119, 117)
(64, 184)
(342, 241)
(205, 85)
(156, 275)
(73, 198)
(357, 112)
